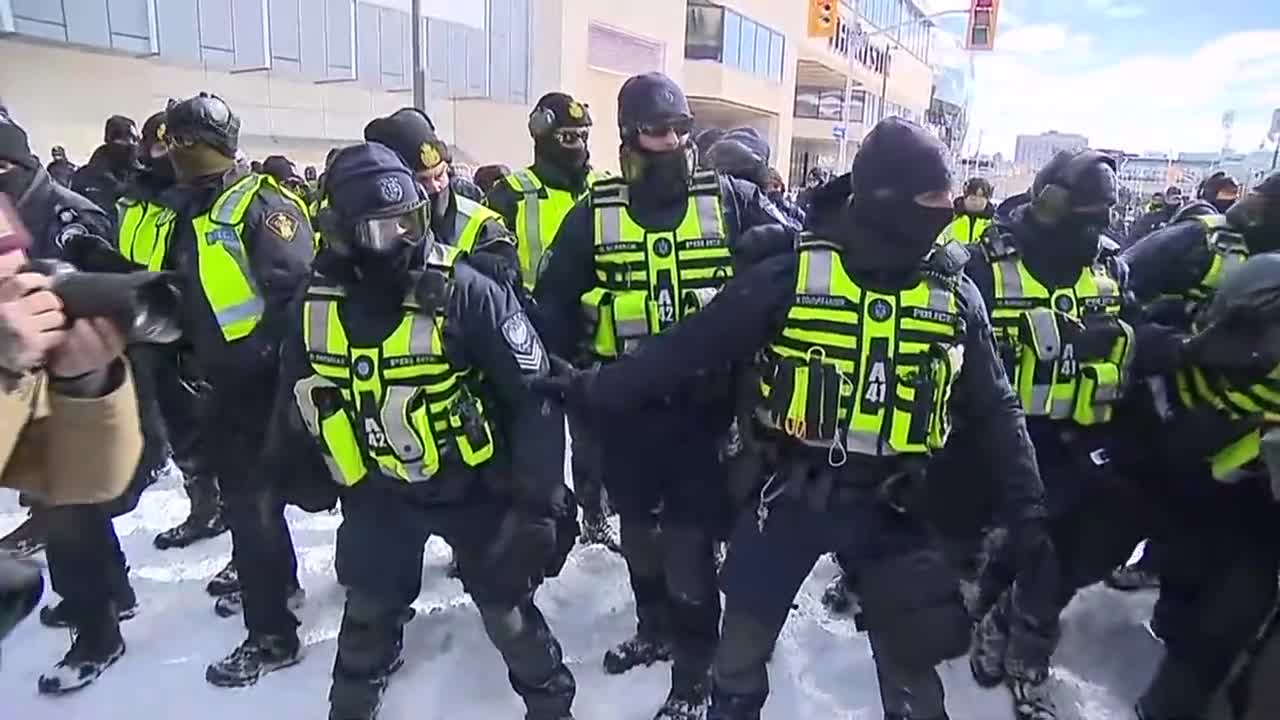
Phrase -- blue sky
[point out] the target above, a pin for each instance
(1142, 75)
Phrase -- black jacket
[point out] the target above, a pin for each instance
(749, 313)
(99, 182)
(480, 316)
(279, 265)
(569, 268)
(61, 171)
(1149, 222)
(51, 213)
(1166, 265)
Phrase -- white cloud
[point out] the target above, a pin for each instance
(1023, 88)
(1116, 8)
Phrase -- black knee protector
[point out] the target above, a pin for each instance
(913, 603)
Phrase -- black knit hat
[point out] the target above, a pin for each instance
(280, 168)
(412, 135)
(368, 180)
(14, 145)
(901, 158)
(565, 111)
(153, 130)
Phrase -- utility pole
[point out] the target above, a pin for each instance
(419, 76)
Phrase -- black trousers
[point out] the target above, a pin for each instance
(911, 602)
(671, 492)
(379, 561)
(586, 464)
(86, 563)
(262, 547)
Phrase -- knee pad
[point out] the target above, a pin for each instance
(913, 604)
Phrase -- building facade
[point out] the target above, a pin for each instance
(306, 75)
(1034, 151)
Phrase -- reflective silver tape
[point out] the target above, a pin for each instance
(225, 211)
(707, 208)
(1010, 279)
(533, 232)
(866, 442)
(610, 225)
(421, 333)
(1039, 400)
(249, 309)
(318, 325)
(817, 280)
(394, 413)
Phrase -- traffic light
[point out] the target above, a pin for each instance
(982, 25)
(822, 18)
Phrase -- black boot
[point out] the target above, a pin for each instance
(1141, 575)
(205, 519)
(232, 604)
(56, 616)
(688, 699)
(255, 657)
(633, 652)
(27, 539)
(731, 706)
(227, 581)
(21, 585)
(91, 653)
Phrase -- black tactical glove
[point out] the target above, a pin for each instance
(764, 241)
(534, 539)
(21, 585)
(567, 383)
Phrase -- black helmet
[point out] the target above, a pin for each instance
(205, 119)
(652, 99)
(154, 129)
(1257, 215)
(1072, 180)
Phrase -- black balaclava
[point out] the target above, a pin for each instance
(654, 99)
(562, 112)
(898, 161)
(1071, 235)
(120, 138)
(15, 148)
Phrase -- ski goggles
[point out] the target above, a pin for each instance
(392, 232)
(681, 127)
(572, 136)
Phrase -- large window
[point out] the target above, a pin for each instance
(902, 20)
(623, 53)
(824, 104)
(716, 33)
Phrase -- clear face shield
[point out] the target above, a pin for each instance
(389, 234)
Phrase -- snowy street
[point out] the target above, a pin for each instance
(822, 669)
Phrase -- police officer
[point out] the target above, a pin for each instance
(533, 201)
(634, 258)
(1067, 329)
(974, 211)
(243, 248)
(384, 368)
(60, 168)
(857, 343)
(455, 220)
(1159, 213)
(1214, 547)
(146, 214)
(86, 563)
(111, 167)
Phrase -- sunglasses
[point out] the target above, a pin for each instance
(568, 136)
(679, 127)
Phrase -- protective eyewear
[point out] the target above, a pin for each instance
(381, 234)
(570, 136)
(680, 127)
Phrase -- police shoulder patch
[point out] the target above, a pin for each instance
(524, 343)
(282, 224)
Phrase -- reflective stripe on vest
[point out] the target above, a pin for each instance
(1066, 350)
(965, 229)
(225, 274)
(467, 221)
(539, 213)
(647, 281)
(145, 229)
(401, 406)
(1228, 250)
(859, 371)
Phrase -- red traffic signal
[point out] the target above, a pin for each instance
(981, 34)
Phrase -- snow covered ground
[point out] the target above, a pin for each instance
(822, 668)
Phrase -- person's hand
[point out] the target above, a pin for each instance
(31, 321)
(91, 344)
(564, 381)
(1222, 346)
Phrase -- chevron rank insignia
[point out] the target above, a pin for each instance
(524, 343)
